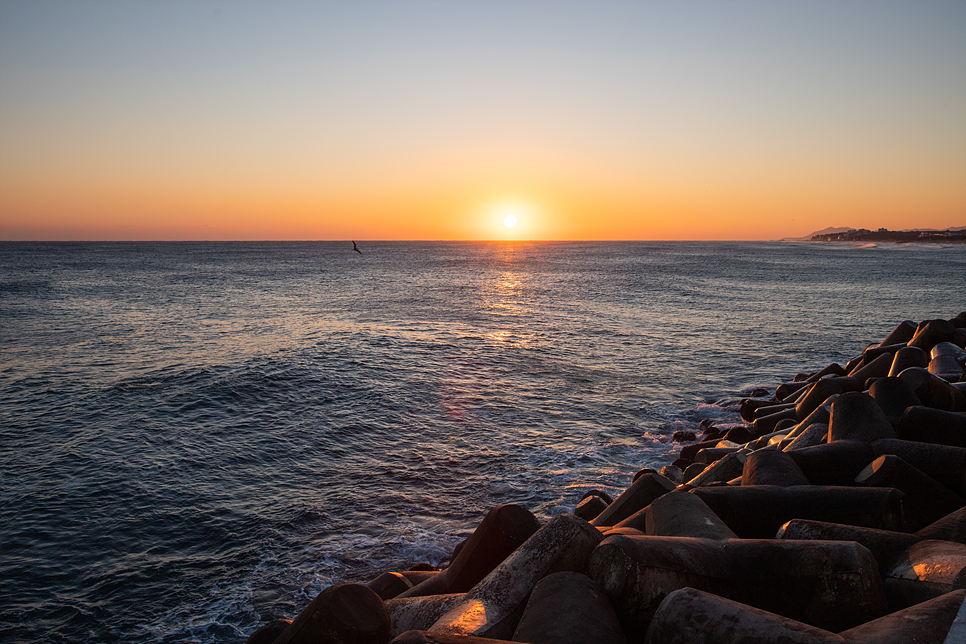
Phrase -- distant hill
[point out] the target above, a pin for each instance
(846, 233)
(918, 235)
(824, 231)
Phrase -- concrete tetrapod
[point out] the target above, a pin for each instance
(814, 434)
(429, 637)
(885, 545)
(269, 632)
(636, 497)
(501, 532)
(835, 463)
(877, 368)
(901, 334)
(893, 396)
(821, 390)
(340, 614)
(856, 416)
(689, 616)
(771, 466)
(908, 357)
(932, 332)
(490, 609)
(951, 527)
(680, 514)
(390, 584)
(568, 608)
(676, 514)
(949, 349)
(928, 425)
(946, 367)
(590, 507)
(829, 584)
(944, 463)
(925, 623)
(722, 470)
(933, 391)
(928, 499)
(758, 511)
(928, 569)
(418, 613)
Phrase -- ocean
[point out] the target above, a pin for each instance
(198, 437)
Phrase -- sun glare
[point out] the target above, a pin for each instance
(511, 214)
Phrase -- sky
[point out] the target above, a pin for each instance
(595, 120)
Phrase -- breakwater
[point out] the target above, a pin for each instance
(837, 514)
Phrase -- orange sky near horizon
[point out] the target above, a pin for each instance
(422, 120)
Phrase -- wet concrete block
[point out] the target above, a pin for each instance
(934, 391)
(901, 334)
(856, 416)
(722, 470)
(951, 527)
(835, 463)
(636, 497)
(928, 425)
(926, 623)
(814, 434)
(758, 511)
(569, 608)
(927, 570)
(885, 545)
(268, 633)
(680, 514)
(590, 507)
(429, 637)
(343, 614)
(771, 466)
(893, 396)
(689, 616)
(944, 463)
(928, 499)
(418, 613)
(673, 473)
(503, 529)
(831, 585)
(908, 357)
(492, 608)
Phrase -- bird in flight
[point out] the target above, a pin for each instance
(356, 248)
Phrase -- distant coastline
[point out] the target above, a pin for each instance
(882, 235)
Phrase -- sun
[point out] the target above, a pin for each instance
(511, 214)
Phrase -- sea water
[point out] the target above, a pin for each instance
(199, 437)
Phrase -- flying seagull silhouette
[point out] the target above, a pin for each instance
(356, 248)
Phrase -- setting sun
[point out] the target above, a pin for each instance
(510, 221)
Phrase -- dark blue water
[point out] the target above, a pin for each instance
(198, 437)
